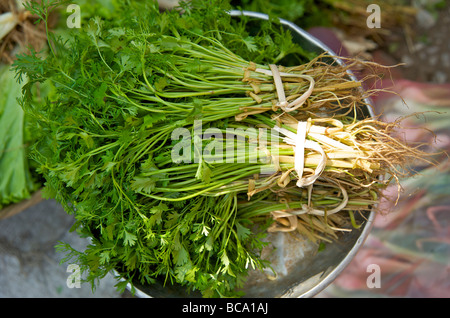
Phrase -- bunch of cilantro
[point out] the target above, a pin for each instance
(102, 128)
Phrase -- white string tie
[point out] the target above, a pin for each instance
(282, 102)
(300, 143)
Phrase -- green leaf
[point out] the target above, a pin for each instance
(143, 184)
(129, 238)
(196, 112)
(160, 84)
(131, 261)
(100, 93)
(172, 219)
(209, 244)
(190, 274)
(224, 259)
(122, 285)
(94, 27)
(250, 43)
(204, 172)
(181, 256)
(110, 231)
(105, 257)
(169, 43)
(87, 139)
(150, 120)
(70, 175)
(242, 231)
(157, 213)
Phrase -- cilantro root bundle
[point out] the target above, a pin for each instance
(177, 210)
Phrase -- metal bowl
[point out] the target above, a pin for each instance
(303, 272)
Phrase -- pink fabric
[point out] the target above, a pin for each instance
(410, 241)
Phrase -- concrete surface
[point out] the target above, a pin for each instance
(29, 264)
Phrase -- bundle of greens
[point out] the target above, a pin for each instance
(127, 87)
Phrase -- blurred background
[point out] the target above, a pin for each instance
(410, 244)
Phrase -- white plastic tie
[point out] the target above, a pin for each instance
(308, 209)
(282, 102)
(300, 143)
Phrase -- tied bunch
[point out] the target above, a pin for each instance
(194, 210)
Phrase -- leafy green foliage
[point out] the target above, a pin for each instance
(16, 180)
(120, 86)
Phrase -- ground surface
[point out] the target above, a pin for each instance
(29, 264)
(423, 47)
